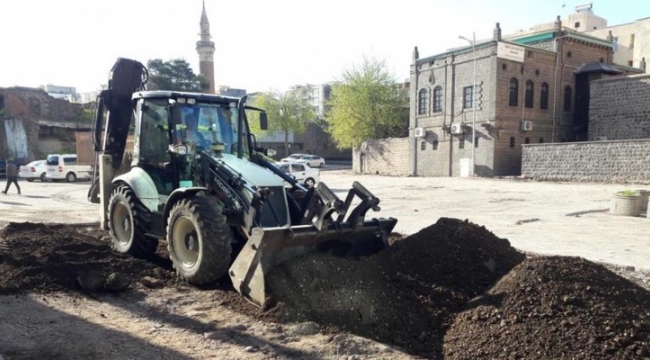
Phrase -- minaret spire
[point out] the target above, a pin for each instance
(205, 48)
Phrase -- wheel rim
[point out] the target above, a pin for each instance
(186, 241)
(70, 177)
(122, 224)
(309, 182)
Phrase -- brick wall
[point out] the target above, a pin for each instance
(385, 157)
(619, 108)
(601, 161)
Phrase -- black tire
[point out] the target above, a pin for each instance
(321, 165)
(29, 180)
(128, 221)
(199, 240)
(43, 177)
(310, 182)
(70, 177)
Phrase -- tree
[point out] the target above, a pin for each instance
(288, 112)
(366, 104)
(175, 75)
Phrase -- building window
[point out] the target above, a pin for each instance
(475, 142)
(512, 141)
(423, 145)
(541, 140)
(543, 100)
(631, 41)
(530, 89)
(630, 63)
(527, 140)
(567, 99)
(437, 99)
(422, 102)
(568, 54)
(468, 97)
(513, 99)
(577, 24)
(435, 144)
(504, 66)
(461, 142)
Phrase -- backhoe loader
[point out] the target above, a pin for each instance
(200, 181)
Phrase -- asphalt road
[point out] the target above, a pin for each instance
(549, 218)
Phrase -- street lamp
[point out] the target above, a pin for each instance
(473, 43)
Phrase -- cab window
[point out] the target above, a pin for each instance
(298, 167)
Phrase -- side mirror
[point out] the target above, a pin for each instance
(264, 121)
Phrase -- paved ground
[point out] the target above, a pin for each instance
(548, 218)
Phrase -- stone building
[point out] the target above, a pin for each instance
(205, 48)
(33, 124)
(525, 93)
(631, 41)
(620, 108)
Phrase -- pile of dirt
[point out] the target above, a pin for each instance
(555, 308)
(52, 257)
(405, 296)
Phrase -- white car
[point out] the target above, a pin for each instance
(65, 167)
(312, 160)
(292, 157)
(34, 170)
(303, 173)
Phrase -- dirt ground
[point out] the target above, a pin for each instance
(425, 296)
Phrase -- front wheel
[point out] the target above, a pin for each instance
(310, 182)
(71, 177)
(128, 220)
(199, 240)
(321, 165)
(30, 180)
(43, 177)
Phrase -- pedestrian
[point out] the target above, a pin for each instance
(12, 176)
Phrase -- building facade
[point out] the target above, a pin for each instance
(631, 41)
(525, 93)
(205, 49)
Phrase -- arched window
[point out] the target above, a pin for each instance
(513, 99)
(422, 102)
(530, 89)
(543, 100)
(437, 99)
(567, 99)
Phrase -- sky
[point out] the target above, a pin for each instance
(260, 44)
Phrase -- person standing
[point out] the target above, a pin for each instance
(12, 176)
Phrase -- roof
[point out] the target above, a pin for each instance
(467, 48)
(176, 94)
(549, 35)
(594, 67)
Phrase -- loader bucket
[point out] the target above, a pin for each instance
(266, 248)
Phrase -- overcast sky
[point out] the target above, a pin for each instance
(260, 44)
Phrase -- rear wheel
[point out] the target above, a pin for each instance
(71, 177)
(321, 165)
(30, 180)
(310, 182)
(199, 240)
(128, 221)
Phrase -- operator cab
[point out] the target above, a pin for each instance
(170, 128)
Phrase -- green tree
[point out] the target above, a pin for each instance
(175, 75)
(366, 104)
(288, 113)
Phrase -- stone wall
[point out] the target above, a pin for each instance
(619, 108)
(600, 161)
(385, 157)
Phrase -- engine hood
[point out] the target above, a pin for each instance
(252, 173)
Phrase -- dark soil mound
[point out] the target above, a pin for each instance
(406, 295)
(555, 308)
(50, 257)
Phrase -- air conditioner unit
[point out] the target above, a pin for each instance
(456, 129)
(420, 132)
(600, 138)
(526, 125)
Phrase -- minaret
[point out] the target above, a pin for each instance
(205, 48)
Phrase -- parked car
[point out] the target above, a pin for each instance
(65, 167)
(303, 173)
(292, 157)
(312, 160)
(34, 170)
